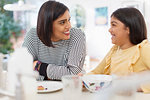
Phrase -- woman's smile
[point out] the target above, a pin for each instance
(67, 33)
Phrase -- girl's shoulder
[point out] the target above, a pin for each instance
(145, 47)
(145, 44)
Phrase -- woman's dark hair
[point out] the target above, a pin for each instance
(132, 18)
(48, 13)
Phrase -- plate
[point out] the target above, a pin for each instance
(49, 86)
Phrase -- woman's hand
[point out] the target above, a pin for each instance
(80, 74)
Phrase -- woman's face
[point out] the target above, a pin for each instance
(61, 27)
(119, 32)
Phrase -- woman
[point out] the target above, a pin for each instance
(131, 50)
(58, 48)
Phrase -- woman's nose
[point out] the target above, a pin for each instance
(68, 25)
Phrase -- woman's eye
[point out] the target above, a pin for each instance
(62, 22)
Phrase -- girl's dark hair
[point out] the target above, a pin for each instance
(132, 18)
(48, 13)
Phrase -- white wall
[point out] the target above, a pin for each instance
(98, 37)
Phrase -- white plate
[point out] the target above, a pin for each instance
(51, 86)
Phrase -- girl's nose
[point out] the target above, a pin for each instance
(110, 30)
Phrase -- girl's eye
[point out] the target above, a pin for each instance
(113, 25)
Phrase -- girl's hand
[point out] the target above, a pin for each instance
(139, 90)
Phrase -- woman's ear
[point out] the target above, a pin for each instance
(128, 30)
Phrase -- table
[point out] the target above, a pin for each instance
(30, 93)
(58, 95)
(84, 96)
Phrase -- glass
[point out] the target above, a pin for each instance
(124, 88)
(72, 87)
(127, 96)
(40, 78)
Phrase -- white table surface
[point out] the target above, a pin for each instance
(30, 93)
(84, 96)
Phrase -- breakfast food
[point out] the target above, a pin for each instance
(40, 88)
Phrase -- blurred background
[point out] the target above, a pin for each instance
(92, 16)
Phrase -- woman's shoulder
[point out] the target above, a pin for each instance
(32, 33)
(76, 32)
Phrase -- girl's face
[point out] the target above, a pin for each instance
(120, 33)
(61, 27)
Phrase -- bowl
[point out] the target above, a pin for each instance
(96, 83)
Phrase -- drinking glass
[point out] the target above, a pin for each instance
(72, 87)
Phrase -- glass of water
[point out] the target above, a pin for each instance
(72, 87)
